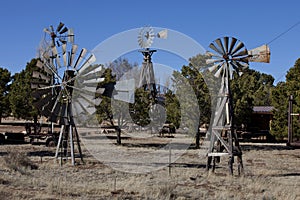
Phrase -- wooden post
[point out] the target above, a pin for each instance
(290, 120)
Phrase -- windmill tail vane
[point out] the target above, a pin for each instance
(260, 54)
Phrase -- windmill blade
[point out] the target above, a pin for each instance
(72, 54)
(38, 85)
(62, 41)
(211, 61)
(64, 53)
(71, 36)
(80, 57)
(92, 82)
(86, 105)
(87, 63)
(39, 75)
(214, 67)
(65, 29)
(219, 43)
(91, 100)
(232, 44)
(226, 39)
(230, 72)
(237, 48)
(56, 56)
(79, 112)
(54, 51)
(125, 90)
(241, 53)
(240, 65)
(46, 30)
(43, 67)
(212, 55)
(242, 59)
(59, 27)
(234, 65)
(92, 79)
(212, 46)
(218, 73)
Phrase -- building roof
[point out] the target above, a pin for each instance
(263, 109)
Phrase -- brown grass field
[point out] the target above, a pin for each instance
(272, 171)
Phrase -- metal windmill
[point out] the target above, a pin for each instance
(145, 39)
(59, 76)
(60, 35)
(229, 55)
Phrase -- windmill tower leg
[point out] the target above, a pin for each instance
(147, 78)
(71, 144)
(78, 144)
(68, 133)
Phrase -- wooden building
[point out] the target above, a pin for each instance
(262, 118)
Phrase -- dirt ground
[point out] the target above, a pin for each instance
(272, 171)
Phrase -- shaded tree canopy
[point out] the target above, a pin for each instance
(5, 78)
(251, 89)
(280, 96)
(20, 98)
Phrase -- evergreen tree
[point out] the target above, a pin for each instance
(20, 98)
(280, 96)
(280, 103)
(5, 79)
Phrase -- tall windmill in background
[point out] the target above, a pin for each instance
(145, 40)
(228, 56)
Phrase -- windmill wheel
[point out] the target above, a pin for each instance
(145, 37)
(65, 83)
(228, 55)
(60, 35)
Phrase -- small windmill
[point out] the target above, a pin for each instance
(145, 39)
(229, 56)
(64, 87)
(61, 35)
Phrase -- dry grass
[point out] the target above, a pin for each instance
(270, 173)
(18, 161)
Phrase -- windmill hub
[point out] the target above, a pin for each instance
(227, 57)
(53, 35)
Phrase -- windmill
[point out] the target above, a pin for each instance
(228, 56)
(145, 40)
(65, 90)
(61, 35)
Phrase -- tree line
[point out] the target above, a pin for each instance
(253, 88)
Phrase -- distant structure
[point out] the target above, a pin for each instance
(145, 39)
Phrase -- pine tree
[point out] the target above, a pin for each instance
(5, 79)
(21, 101)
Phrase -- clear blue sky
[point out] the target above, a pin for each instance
(254, 22)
